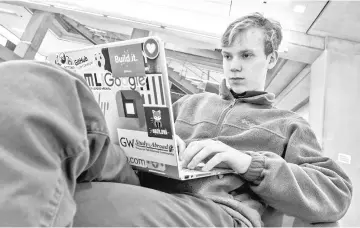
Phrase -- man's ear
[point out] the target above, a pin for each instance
(274, 56)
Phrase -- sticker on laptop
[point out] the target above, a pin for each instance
(127, 61)
(158, 122)
(156, 165)
(151, 52)
(152, 91)
(130, 105)
(151, 48)
(138, 144)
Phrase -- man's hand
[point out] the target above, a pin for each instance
(215, 153)
(180, 144)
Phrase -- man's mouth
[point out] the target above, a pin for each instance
(237, 79)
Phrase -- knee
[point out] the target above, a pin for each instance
(34, 85)
(41, 98)
(36, 77)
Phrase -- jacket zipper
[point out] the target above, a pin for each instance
(224, 114)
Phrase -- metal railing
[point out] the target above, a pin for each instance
(190, 70)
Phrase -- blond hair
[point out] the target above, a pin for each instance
(272, 31)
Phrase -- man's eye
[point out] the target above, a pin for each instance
(247, 55)
(227, 57)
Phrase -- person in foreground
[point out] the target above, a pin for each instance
(58, 167)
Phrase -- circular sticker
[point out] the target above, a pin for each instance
(151, 48)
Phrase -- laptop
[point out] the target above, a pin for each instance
(130, 82)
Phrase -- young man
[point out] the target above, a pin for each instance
(53, 136)
(276, 156)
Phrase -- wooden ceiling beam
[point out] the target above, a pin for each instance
(79, 28)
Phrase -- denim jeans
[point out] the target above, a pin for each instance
(53, 139)
(53, 135)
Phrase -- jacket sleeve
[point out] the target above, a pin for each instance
(304, 184)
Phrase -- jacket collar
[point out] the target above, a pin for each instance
(252, 97)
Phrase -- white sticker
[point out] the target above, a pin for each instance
(344, 158)
(137, 162)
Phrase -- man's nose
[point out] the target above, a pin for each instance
(236, 66)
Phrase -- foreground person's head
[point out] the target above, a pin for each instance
(250, 48)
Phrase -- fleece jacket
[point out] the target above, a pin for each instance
(288, 172)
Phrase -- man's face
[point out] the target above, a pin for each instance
(245, 63)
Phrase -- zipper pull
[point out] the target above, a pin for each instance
(234, 102)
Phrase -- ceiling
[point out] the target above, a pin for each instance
(195, 26)
(340, 19)
(206, 18)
